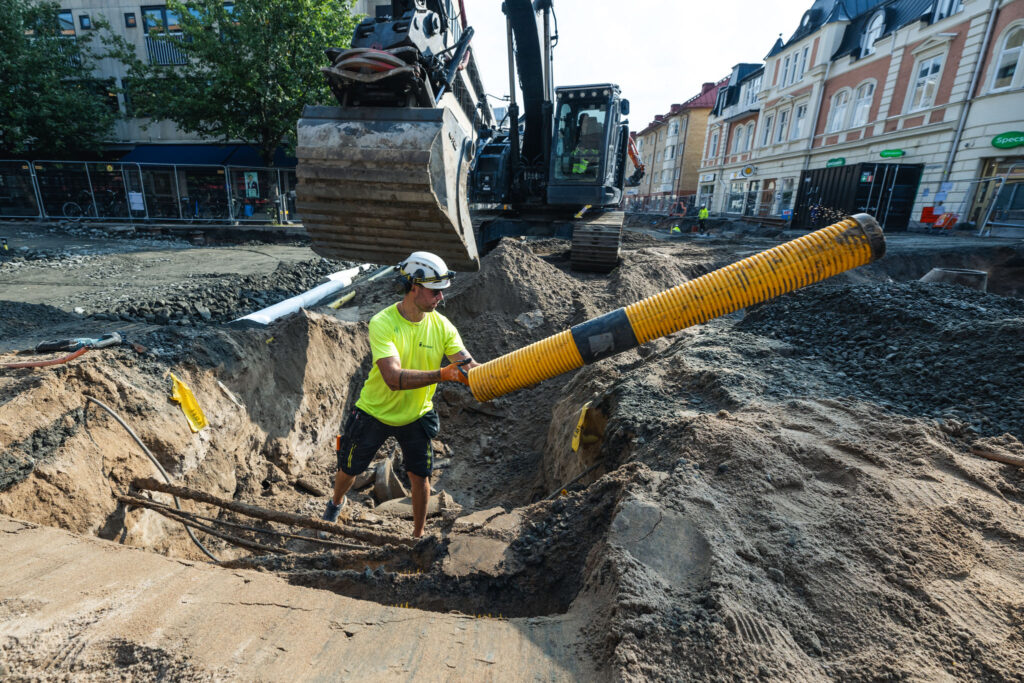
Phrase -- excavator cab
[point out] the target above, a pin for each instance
(588, 150)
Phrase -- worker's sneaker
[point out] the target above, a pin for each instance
(331, 515)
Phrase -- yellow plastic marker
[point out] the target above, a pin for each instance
(182, 395)
(579, 427)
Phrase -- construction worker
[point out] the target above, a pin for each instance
(702, 216)
(408, 341)
(676, 231)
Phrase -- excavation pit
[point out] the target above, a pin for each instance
(751, 488)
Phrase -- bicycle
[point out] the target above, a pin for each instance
(75, 211)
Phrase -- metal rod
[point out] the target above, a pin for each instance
(150, 484)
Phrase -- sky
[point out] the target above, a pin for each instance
(658, 51)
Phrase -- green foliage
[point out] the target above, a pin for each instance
(51, 105)
(248, 71)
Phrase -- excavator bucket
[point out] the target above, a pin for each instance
(377, 183)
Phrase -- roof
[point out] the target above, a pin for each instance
(204, 155)
(898, 13)
(705, 99)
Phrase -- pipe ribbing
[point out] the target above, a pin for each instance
(855, 241)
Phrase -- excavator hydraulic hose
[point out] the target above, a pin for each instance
(850, 243)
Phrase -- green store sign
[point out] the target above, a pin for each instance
(891, 153)
(1012, 138)
(838, 161)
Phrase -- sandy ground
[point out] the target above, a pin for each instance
(791, 492)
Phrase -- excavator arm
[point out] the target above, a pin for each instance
(634, 156)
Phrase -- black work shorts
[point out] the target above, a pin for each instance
(362, 435)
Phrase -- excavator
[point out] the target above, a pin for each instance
(413, 156)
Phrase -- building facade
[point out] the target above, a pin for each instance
(910, 110)
(670, 147)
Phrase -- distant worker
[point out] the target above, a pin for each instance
(702, 216)
(408, 341)
(676, 232)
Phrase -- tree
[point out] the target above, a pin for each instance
(249, 68)
(50, 104)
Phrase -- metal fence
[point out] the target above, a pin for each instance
(664, 205)
(986, 205)
(131, 192)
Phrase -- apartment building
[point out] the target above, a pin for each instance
(133, 23)
(908, 109)
(670, 147)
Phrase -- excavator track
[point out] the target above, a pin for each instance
(376, 183)
(596, 241)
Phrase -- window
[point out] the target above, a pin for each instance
(1008, 73)
(944, 8)
(739, 139)
(783, 127)
(657, 157)
(750, 137)
(803, 63)
(673, 128)
(160, 20)
(129, 19)
(875, 29)
(766, 136)
(799, 120)
(66, 23)
(670, 152)
(85, 22)
(753, 88)
(785, 73)
(837, 115)
(862, 104)
(926, 82)
(713, 145)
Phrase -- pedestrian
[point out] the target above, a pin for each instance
(702, 216)
(408, 341)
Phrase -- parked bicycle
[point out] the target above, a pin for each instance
(104, 204)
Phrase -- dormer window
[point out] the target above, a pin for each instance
(945, 8)
(875, 29)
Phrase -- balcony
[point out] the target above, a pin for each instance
(164, 50)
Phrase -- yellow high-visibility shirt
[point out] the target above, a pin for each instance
(418, 346)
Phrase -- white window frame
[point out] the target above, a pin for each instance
(766, 133)
(782, 127)
(670, 152)
(933, 60)
(837, 116)
(750, 137)
(785, 72)
(1016, 53)
(739, 139)
(803, 62)
(713, 145)
(673, 128)
(946, 8)
(874, 31)
(797, 131)
(862, 103)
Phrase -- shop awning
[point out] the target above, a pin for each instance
(217, 155)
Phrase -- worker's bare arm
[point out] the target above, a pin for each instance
(399, 379)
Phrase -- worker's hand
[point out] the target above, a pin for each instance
(456, 372)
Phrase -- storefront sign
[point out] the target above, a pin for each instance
(1009, 139)
(891, 153)
(838, 161)
(707, 178)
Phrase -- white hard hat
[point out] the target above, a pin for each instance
(424, 268)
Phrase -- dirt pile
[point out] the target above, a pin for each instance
(785, 493)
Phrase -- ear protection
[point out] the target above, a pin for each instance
(404, 281)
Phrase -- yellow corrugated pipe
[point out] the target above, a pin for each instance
(853, 242)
